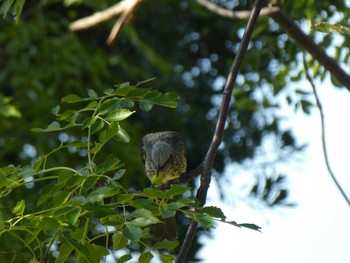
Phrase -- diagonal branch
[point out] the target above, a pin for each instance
(125, 8)
(207, 163)
(323, 130)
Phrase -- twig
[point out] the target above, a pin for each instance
(125, 8)
(323, 130)
(219, 129)
(235, 14)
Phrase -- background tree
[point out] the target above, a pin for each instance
(189, 50)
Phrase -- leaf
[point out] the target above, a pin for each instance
(178, 189)
(108, 106)
(64, 252)
(72, 98)
(5, 7)
(146, 257)
(246, 225)
(111, 163)
(98, 125)
(119, 115)
(88, 122)
(168, 99)
(119, 174)
(143, 218)
(330, 28)
(205, 220)
(92, 93)
(18, 9)
(112, 130)
(214, 212)
(73, 216)
(122, 136)
(146, 106)
(166, 258)
(146, 203)
(119, 241)
(18, 210)
(124, 258)
(102, 212)
(76, 245)
(133, 233)
(100, 193)
(166, 244)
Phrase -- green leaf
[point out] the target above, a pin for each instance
(146, 257)
(76, 245)
(166, 258)
(112, 130)
(109, 105)
(155, 193)
(168, 99)
(122, 136)
(113, 220)
(330, 28)
(205, 220)
(178, 189)
(119, 174)
(100, 193)
(166, 244)
(96, 126)
(5, 7)
(133, 233)
(96, 252)
(64, 252)
(119, 241)
(92, 94)
(146, 106)
(214, 212)
(143, 218)
(3, 180)
(245, 225)
(166, 212)
(73, 216)
(18, 9)
(147, 204)
(88, 122)
(111, 163)
(119, 114)
(18, 210)
(56, 110)
(102, 212)
(68, 115)
(72, 98)
(124, 258)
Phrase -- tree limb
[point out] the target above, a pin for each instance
(220, 125)
(323, 131)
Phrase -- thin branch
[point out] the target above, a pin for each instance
(220, 125)
(125, 8)
(323, 130)
(235, 14)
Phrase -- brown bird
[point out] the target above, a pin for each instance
(164, 156)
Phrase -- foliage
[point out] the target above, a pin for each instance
(79, 209)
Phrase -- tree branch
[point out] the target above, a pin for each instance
(323, 130)
(220, 125)
(125, 8)
(235, 14)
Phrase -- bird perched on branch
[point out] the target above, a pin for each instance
(164, 156)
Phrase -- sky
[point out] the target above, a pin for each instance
(318, 228)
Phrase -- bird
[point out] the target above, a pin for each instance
(165, 158)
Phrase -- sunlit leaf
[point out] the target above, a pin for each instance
(133, 233)
(119, 241)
